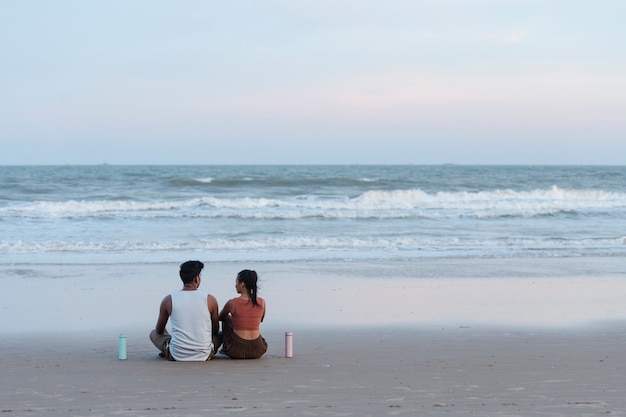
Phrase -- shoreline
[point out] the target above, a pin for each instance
(443, 292)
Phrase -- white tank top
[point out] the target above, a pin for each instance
(191, 326)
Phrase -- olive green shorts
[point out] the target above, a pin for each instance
(162, 343)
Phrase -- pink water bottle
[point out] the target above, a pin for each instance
(288, 345)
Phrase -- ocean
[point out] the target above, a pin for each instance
(96, 248)
(145, 214)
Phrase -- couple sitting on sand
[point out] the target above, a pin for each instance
(195, 326)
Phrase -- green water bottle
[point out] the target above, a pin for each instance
(122, 347)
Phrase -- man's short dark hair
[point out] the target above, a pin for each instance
(189, 270)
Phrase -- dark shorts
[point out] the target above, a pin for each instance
(237, 348)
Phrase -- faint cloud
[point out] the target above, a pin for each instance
(496, 38)
(430, 99)
(413, 36)
(511, 38)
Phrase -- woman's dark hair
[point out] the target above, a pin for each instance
(189, 270)
(249, 278)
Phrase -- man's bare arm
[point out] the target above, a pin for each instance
(164, 314)
(213, 310)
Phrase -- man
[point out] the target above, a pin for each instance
(195, 322)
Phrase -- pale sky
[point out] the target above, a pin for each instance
(313, 82)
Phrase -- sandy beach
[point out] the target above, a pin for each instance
(493, 338)
(368, 372)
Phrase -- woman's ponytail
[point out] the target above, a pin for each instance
(249, 278)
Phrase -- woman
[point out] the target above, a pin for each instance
(241, 318)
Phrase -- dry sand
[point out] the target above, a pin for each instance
(416, 371)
